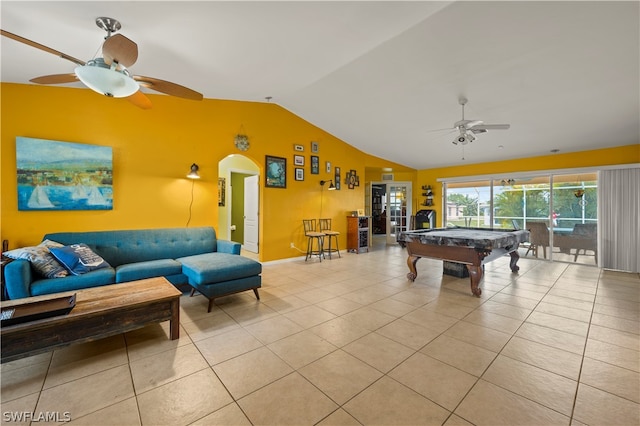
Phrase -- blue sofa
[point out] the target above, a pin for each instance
(191, 256)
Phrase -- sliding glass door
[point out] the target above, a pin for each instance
(560, 211)
(575, 218)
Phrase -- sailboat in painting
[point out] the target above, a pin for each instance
(96, 198)
(79, 193)
(39, 199)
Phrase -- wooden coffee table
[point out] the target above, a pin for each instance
(99, 312)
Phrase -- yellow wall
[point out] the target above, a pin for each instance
(152, 152)
(602, 157)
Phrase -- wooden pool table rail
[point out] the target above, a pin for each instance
(478, 247)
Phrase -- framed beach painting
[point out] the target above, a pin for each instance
(54, 175)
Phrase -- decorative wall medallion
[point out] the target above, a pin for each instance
(241, 141)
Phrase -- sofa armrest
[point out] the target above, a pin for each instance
(230, 247)
(18, 278)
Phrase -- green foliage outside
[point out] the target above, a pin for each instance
(510, 205)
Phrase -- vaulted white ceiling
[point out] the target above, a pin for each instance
(384, 77)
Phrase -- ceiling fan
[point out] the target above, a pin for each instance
(109, 75)
(469, 128)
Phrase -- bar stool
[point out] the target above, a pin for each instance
(325, 227)
(312, 235)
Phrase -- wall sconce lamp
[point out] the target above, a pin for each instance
(331, 185)
(193, 174)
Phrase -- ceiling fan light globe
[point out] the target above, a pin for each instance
(107, 80)
(462, 140)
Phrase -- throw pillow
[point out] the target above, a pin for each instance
(41, 259)
(79, 258)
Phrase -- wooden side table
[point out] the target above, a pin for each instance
(357, 234)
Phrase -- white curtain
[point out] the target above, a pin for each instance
(619, 219)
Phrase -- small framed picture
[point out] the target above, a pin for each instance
(314, 147)
(327, 166)
(221, 191)
(299, 173)
(298, 148)
(351, 179)
(298, 160)
(315, 165)
(337, 178)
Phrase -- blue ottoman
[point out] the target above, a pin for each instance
(220, 274)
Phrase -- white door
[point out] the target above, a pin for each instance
(398, 208)
(251, 194)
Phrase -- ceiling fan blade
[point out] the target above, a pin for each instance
(474, 123)
(140, 100)
(168, 88)
(120, 49)
(493, 126)
(55, 79)
(449, 129)
(41, 47)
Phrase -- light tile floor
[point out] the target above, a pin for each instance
(351, 341)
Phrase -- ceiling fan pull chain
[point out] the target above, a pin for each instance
(95, 55)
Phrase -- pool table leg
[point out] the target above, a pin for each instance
(475, 274)
(411, 263)
(514, 260)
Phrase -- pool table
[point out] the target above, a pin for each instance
(470, 246)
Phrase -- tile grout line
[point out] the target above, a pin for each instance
(584, 349)
(500, 352)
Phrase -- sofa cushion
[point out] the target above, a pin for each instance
(73, 282)
(210, 268)
(150, 269)
(140, 245)
(78, 258)
(41, 259)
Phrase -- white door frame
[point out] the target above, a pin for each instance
(409, 209)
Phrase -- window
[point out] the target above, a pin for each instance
(565, 203)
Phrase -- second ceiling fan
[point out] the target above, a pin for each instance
(469, 128)
(108, 74)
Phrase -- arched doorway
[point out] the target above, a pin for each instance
(238, 206)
